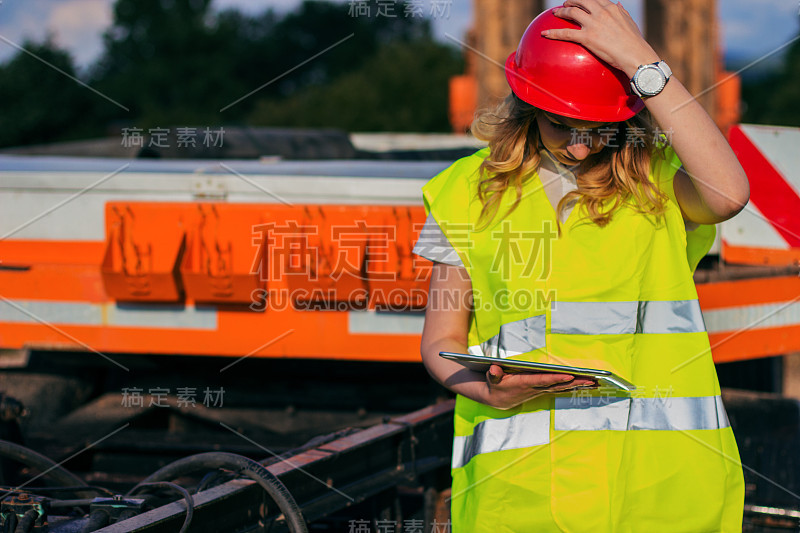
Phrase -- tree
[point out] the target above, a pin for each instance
(42, 104)
(774, 99)
(179, 63)
(176, 62)
(166, 60)
(403, 87)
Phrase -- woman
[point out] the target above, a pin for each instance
(572, 239)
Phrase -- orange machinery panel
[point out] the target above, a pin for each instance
(144, 246)
(222, 263)
(165, 277)
(226, 253)
(398, 279)
(463, 96)
(326, 256)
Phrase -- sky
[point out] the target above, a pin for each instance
(750, 28)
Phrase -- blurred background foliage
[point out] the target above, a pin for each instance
(179, 62)
(41, 104)
(774, 98)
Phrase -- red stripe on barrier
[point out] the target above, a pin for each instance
(769, 190)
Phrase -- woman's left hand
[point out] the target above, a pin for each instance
(607, 30)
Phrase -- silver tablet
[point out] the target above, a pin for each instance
(481, 363)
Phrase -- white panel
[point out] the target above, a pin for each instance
(384, 142)
(108, 314)
(385, 322)
(25, 196)
(750, 228)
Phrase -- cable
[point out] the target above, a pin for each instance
(27, 521)
(127, 513)
(252, 469)
(175, 487)
(214, 477)
(10, 522)
(36, 460)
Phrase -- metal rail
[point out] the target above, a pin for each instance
(323, 480)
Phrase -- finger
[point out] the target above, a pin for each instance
(624, 11)
(496, 369)
(563, 34)
(589, 6)
(628, 17)
(573, 13)
(494, 374)
(544, 381)
(573, 386)
(572, 3)
(578, 382)
(584, 383)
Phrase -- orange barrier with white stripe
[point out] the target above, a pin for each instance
(752, 318)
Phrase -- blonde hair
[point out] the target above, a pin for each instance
(613, 173)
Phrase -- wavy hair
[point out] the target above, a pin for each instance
(618, 172)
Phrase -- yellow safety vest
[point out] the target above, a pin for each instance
(620, 298)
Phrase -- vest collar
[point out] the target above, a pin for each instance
(549, 162)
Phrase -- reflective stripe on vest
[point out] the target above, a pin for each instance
(594, 318)
(496, 434)
(514, 338)
(617, 318)
(624, 414)
(590, 414)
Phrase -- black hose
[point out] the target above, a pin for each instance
(252, 469)
(175, 487)
(27, 521)
(98, 519)
(36, 460)
(11, 523)
(127, 513)
(213, 478)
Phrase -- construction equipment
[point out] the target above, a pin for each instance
(114, 274)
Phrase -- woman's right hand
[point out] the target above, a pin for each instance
(446, 330)
(508, 390)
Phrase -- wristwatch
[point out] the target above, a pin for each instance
(649, 80)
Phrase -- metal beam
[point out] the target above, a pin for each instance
(357, 466)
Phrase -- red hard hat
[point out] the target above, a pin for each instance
(566, 79)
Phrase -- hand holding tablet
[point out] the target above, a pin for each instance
(481, 363)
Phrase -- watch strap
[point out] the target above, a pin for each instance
(664, 68)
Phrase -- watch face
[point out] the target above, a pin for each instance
(650, 81)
